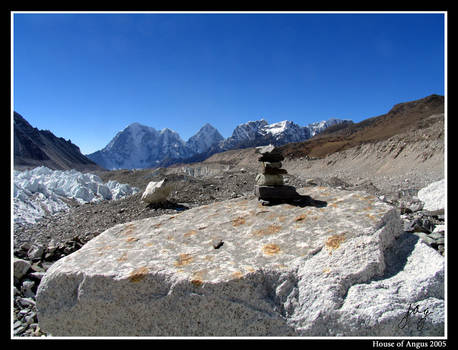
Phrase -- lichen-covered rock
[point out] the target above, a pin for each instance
(232, 268)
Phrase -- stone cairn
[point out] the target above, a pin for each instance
(270, 187)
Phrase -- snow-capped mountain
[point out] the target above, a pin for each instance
(317, 127)
(140, 146)
(205, 138)
(286, 132)
(259, 133)
(245, 135)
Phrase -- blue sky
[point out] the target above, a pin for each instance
(86, 76)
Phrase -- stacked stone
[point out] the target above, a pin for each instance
(270, 185)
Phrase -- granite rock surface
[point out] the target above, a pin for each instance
(237, 268)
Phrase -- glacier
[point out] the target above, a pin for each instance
(42, 191)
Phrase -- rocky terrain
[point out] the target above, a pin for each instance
(393, 168)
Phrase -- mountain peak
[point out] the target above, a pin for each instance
(34, 147)
(204, 139)
(140, 146)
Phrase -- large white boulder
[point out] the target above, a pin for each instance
(433, 196)
(237, 268)
(157, 192)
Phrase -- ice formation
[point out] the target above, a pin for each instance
(43, 191)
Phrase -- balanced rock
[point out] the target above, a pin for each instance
(237, 268)
(157, 192)
(269, 153)
(276, 193)
(269, 180)
(270, 186)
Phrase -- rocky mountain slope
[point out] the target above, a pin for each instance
(33, 147)
(403, 117)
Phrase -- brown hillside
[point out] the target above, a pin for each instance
(403, 117)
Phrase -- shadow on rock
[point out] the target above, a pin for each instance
(396, 255)
(167, 205)
(298, 201)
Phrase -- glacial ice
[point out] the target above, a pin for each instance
(42, 191)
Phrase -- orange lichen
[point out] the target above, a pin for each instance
(131, 239)
(237, 275)
(271, 249)
(129, 229)
(269, 230)
(183, 259)
(198, 277)
(190, 233)
(300, 217)
(138, 274)
(238, 221)
(372, 217)
(333, 242)
(123, 257)
(197, 282)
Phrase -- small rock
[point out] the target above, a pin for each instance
(35, 252)
(20, 267)
(37, 275)
(425, 238)
(156, 192)
(26, 301)
(19, 330)
(29, 319)
(26, 288)
(25, 247)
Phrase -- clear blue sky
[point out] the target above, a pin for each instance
(86, 76)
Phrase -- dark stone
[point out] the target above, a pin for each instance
(274, 171)
(275, 192)
(271, 157)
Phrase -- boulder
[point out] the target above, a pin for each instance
(433, 196)
(237, 268)
(410, 295)
(156, 192)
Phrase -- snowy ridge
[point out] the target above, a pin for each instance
(317, 127)
(205, 138)
(139, 146)
(43, 191)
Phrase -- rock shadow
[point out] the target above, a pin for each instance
(167, 205)
(298, 201)
(396, 255)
